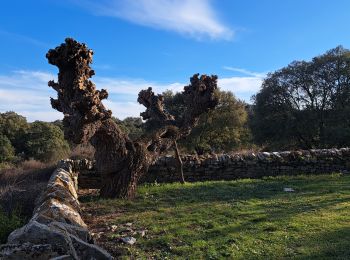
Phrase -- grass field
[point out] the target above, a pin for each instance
(244, 219)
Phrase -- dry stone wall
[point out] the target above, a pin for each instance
(56, 229)
(251, 165)
(235, 166)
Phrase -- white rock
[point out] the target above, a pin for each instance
(129, 240)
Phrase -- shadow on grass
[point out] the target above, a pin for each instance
(327, 245)
(170, 195)
(223, 214)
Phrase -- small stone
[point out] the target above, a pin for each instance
(114, 227)
(129, 224)
(128, 240)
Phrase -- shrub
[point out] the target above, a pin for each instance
(7, 151)
(8, 224)
(45, 142)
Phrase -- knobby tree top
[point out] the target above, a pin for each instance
(87, 120)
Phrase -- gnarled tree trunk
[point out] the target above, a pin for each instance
(120, 161)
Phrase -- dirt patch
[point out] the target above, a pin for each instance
(99, 224)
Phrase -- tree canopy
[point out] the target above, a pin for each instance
(305, 104)
(45, 142)
(221, 129)
(20, 140)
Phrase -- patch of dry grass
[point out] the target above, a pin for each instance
(21, 185)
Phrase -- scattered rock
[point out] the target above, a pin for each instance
(128, 240)
(114, 228)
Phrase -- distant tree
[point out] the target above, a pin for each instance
(133, 127)
(305, 104)
(221, 129)
(14, 127)
(58, 123)
(45, 142)
(7, 151)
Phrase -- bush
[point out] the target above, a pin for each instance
(20, 186)
(45, 142)
(7, 151)
(8, 224)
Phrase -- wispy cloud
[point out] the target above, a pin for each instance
(194, 18)
(133, 86)
(27, 93)
(242, 87)
(23, 38)
(244, 83)
(245, 72)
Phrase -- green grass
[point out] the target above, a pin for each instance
(244, 219)
(8, 224)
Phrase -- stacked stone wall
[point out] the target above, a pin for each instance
(56, 229)
(236, 166)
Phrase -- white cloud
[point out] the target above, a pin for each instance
(245, 72)
(194, 18)
(133, 86)
(124, 109)
(240, 85)
(27, 93)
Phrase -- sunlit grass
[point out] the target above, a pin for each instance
(244, 219)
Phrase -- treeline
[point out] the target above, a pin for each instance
(305, 105)
(44, 141)
(302, 106)
(20, 140)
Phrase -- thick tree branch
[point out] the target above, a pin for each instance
(120, 161)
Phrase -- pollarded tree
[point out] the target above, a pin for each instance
(120, 160)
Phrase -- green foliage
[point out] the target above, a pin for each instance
(244, 219)
(306, 104)
(14, 127)
(22, 140)
(222, 129)
(8, 224)
(45, 142)
(58, 123)
(7, 151)
(132, 126)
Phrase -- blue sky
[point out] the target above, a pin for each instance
(160, 43)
